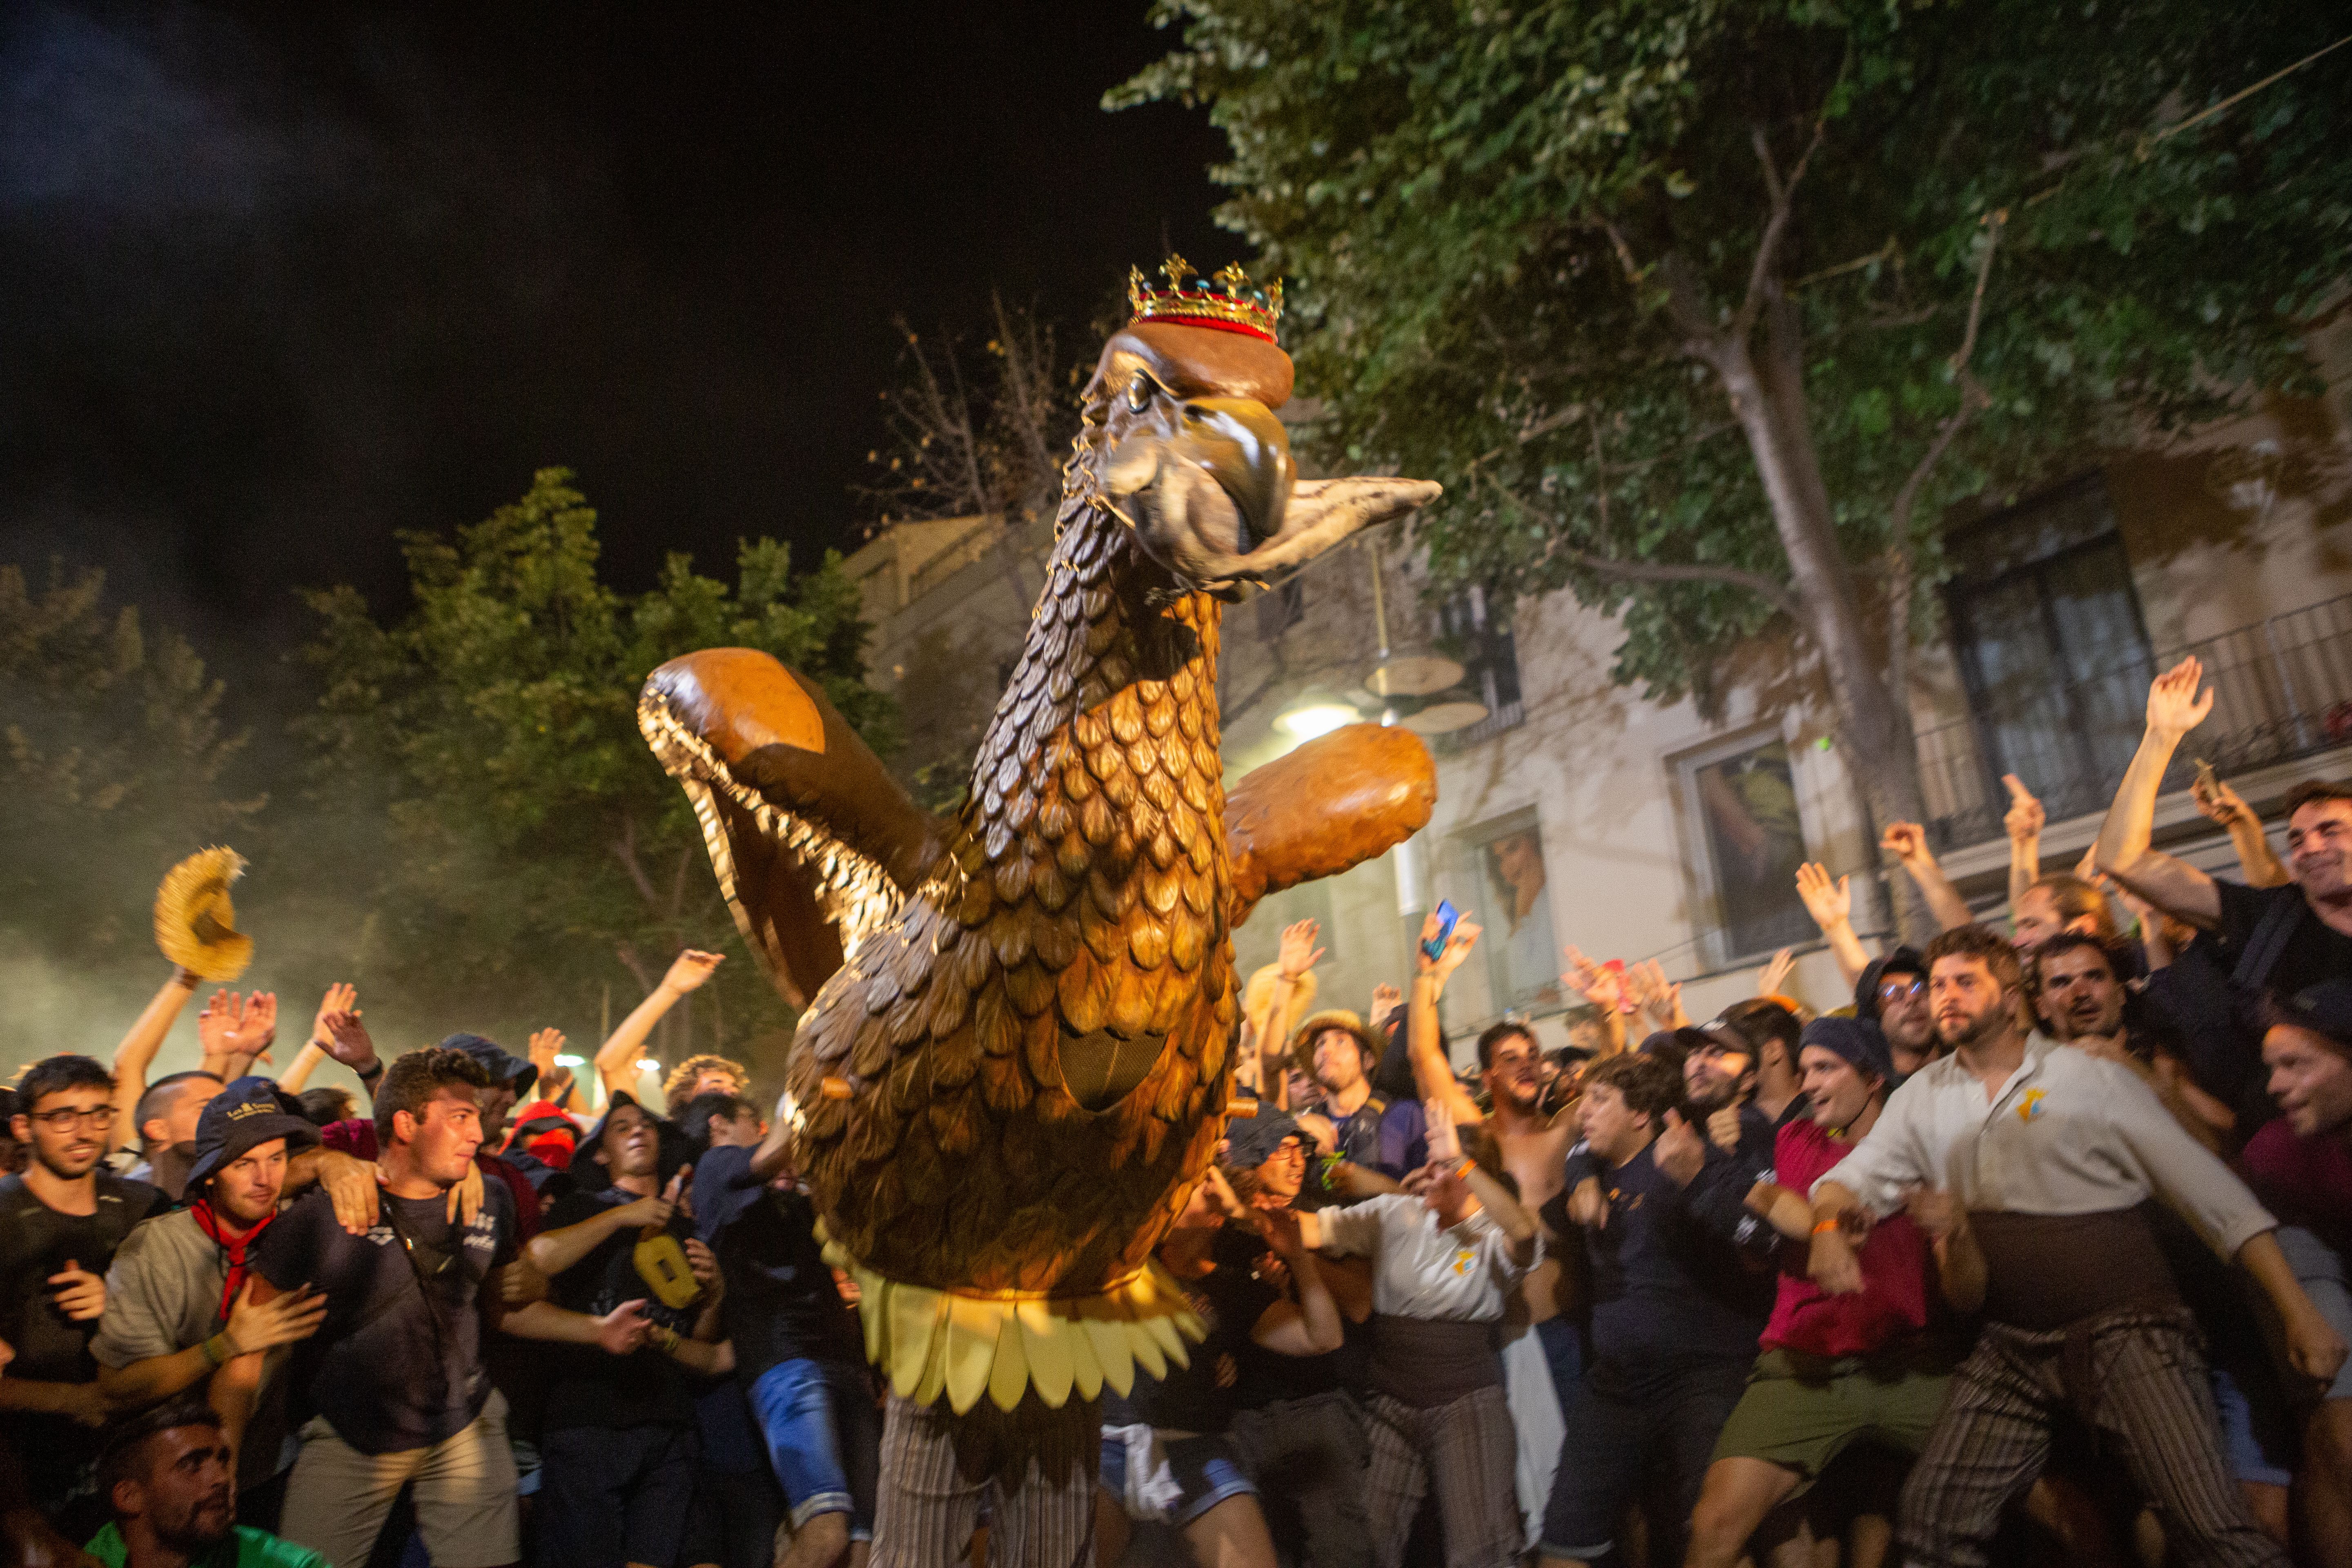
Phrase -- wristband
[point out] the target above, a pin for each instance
(216, 1349)
(667, 1340)
(371, 1074)
(1833, 1223)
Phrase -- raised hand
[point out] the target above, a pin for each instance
(1907, 842)
(347, 1040)
(2220, 802)
(1660, 999)
(1457, 946)
(2024, 819)
(280, 1321)
(623, 1330)
(545, 1044)
(1384, 997)
(1598, 984)
(690, 969)
(1679, 1153)
(1298, 953)
(1829, 903)
(2174, 706)
(79, 1294)
(249, 1027)
(341, 997)
(1772, 980)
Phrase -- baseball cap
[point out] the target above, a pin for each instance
(248, 1112)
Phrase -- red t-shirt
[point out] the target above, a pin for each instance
(2305, 1182)
(1894, 1259)
(357, 1139)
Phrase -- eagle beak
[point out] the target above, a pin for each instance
(1241, 445)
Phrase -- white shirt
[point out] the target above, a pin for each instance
(1422, 1270)
(2066, 1135)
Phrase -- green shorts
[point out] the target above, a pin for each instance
(1802, 1411)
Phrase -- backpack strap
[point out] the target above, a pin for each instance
(2266, 943)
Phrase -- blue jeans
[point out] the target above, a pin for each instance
(823, 1433)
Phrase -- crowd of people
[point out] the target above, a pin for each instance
(2034, 1250)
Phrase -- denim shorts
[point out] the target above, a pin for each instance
(1206, 1471)
(824, 1433)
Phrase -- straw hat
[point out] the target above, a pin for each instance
(1302, 1041)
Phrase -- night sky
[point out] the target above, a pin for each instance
(276, 281)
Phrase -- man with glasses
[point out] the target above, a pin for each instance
(60, 1223)
(1892, 994)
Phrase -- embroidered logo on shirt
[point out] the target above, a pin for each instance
(1462, 1258)
(2030, 1107)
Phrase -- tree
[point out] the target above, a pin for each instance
(524, 847)
(1712, 312)
(973, 436)
(112, 761)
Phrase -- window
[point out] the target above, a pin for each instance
(1476, 630)
(2048, 634)
(1749, 842)
(1508, 890)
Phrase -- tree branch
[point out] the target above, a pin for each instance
(1972, 397)
(1776, 223)
(626, 851)
(1757, 582)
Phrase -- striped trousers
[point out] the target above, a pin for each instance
(1035, 1472)
(1468, 1449)
(2144, 1380)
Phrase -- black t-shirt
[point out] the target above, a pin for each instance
(1229, 1301)
(397, 1365)
(36, 1242)
(1270, 1377)
(2314, 952)
(590, 1387)
(1667, 1289)
(782, 1303)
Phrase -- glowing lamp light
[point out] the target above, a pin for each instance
(566, 1059)
(1313, 716)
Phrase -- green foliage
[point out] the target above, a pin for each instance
(521, 847)
(1483, 209)
(112, 754)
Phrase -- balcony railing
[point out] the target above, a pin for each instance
(2282, 689)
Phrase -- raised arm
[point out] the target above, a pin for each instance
(2174, 707)
(236, 1032)
(1295, 960)
(341, 997)
(136, 1052)
(1832, 905)
(1907, 842)
(1432, 1073)
(2257, 862)
(616, 1058)
(2024, 821)
(1604, 988)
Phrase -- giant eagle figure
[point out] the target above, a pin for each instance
(1016, 1057)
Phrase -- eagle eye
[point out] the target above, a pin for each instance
(1138, 392)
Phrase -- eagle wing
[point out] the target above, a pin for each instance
(815, 846)
(1334, 802)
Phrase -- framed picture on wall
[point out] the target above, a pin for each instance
(1509, 888)
(1750, 840)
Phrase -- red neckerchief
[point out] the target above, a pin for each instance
(234, 1246)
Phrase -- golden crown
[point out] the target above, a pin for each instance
(1228, 302)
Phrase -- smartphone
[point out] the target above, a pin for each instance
(1448, 917)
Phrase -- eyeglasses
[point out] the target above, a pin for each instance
(67, 1119)
(1902, 990)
